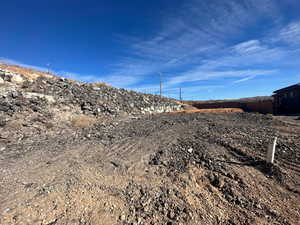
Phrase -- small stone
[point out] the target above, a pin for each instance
(190, 150)
(7, 210)
(258, 206)
(14, 94)
(217, 181)
(123, 217)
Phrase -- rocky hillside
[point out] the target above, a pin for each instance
(31, 91)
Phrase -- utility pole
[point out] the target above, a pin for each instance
(160, 84)
(180, 97)
(48, 68)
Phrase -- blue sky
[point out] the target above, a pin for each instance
(212, 49)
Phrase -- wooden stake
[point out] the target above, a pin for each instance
(271, 151)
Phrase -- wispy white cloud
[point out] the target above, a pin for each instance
(245, 79)
(249, 47)
(193, 32)
(250, 54)
(198, 74)
(290, 33)
(232, 63)
(195, 37)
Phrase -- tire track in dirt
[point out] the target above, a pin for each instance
(113, 177)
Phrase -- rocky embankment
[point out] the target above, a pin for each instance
(44, 93)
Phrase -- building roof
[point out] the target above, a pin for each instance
(288, 88)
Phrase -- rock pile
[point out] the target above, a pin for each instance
(17, 92)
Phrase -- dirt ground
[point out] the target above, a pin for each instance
(219, 110)
(165, 169)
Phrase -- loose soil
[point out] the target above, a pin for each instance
(165, 169)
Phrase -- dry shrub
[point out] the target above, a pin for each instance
(82, 121)
(101, 84)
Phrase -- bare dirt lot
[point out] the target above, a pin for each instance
(160, 169)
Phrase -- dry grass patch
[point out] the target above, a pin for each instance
(82, 121)
(26, 72)
(101, 84)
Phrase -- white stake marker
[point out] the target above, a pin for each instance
(271, 151)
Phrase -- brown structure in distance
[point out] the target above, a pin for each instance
(287, 100)
(256, 104)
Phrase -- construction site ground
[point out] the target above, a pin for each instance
(164, 169)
